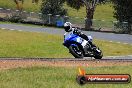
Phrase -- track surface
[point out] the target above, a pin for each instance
(109, 58)
(119, 38)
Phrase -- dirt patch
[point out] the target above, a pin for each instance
(9, 64)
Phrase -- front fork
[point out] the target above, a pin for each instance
(86, 46)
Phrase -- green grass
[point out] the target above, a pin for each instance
(103, 12)
(113, 49)
(31, 44)
(57, 77)
(28, 5)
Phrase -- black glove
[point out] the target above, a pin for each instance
(76, 31)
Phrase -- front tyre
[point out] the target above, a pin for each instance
(75, 51)
(98, 53)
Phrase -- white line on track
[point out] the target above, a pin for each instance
(12, 29)
(118, 56)
(3, 28)
(118, 42)
(125, 43)
(19, 30)
(110, 41)
(121, 43)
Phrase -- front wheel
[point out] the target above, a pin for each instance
(98, 53)
(75, 51)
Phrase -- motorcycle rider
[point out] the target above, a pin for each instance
(68, 28)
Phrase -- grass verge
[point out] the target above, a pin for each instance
(31, 44)
(114, 49)
(57, 77)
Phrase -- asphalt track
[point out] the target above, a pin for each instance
(108, 58)
(119, 38)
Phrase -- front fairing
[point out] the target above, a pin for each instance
(70, 37)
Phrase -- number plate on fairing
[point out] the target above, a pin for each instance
(79, 40)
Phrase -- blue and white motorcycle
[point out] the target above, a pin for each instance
(76, 46)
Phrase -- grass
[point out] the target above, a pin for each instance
(114, 49)
(57, 77)
(31, 44)
(103, 12)
(28, 5)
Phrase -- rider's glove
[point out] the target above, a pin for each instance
(77, 32)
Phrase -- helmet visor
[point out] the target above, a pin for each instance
(67, 28)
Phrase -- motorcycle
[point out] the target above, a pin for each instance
(81, 48)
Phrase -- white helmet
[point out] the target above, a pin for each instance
(68, 26)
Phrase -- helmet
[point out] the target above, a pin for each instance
(68, 26)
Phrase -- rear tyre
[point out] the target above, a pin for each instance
(76, 52)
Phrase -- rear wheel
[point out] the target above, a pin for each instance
(75, 51)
